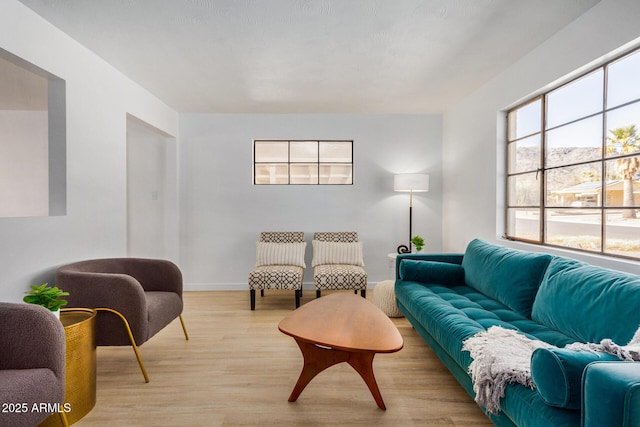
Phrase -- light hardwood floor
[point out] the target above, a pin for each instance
(237, 369)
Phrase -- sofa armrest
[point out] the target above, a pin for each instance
(611, 394)
(448, 258)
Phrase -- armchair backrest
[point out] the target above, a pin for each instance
(336, 236)
(31, 337)
(151, 274)
(32, 362)
(282, 236)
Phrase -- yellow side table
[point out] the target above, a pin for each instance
(80, 395)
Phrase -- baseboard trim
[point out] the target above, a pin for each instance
(242, 286)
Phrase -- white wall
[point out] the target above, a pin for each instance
(24, 165)
(152, 199)
(222, 213)
(474, 145)
(98, 100)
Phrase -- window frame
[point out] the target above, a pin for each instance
(542, 171)
(289, 163)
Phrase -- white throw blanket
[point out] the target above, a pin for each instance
(500, 357)
(503, 356)
(629, 352)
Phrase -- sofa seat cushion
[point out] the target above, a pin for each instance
(525, 407)
(451, 314)
(507, 275)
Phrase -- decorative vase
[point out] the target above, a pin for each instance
(56, 313)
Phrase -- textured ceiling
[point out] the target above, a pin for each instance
(310, 56)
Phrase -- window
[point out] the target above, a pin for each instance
(302, 162)
(573, 163)
(32, 140)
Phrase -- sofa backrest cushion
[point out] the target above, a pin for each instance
(587, 302)
(508, 275)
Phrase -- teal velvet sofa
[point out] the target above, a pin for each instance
(451, 297)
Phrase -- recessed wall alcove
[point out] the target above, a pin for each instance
(152, 191)
(32, 140)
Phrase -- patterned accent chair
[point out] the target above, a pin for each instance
(338, 262)
(279, 264)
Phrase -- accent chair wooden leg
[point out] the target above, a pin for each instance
(363, 293)
(317, 293)
(298, 292)
(261, 292)
(133, 341)
(184, 328)
(252, 298)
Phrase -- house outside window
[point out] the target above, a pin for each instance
(302, 162)
(573, 163)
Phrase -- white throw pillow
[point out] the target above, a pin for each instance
(337, 253)
(268, 253)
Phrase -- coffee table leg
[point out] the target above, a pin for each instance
(317, 359)
(363, 364)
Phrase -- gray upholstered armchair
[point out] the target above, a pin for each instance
(32, 363)
(135, 297)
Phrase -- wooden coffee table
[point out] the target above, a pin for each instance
(340, 327)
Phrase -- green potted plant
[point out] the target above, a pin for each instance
(46, 296)
(418, 242)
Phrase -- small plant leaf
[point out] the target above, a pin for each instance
(46, 296)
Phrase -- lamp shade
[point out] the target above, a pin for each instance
(416, 182)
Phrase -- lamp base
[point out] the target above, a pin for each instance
(403, 249)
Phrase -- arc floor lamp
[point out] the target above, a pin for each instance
(411, 183)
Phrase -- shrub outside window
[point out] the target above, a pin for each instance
(302, 162)
(573, 163)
